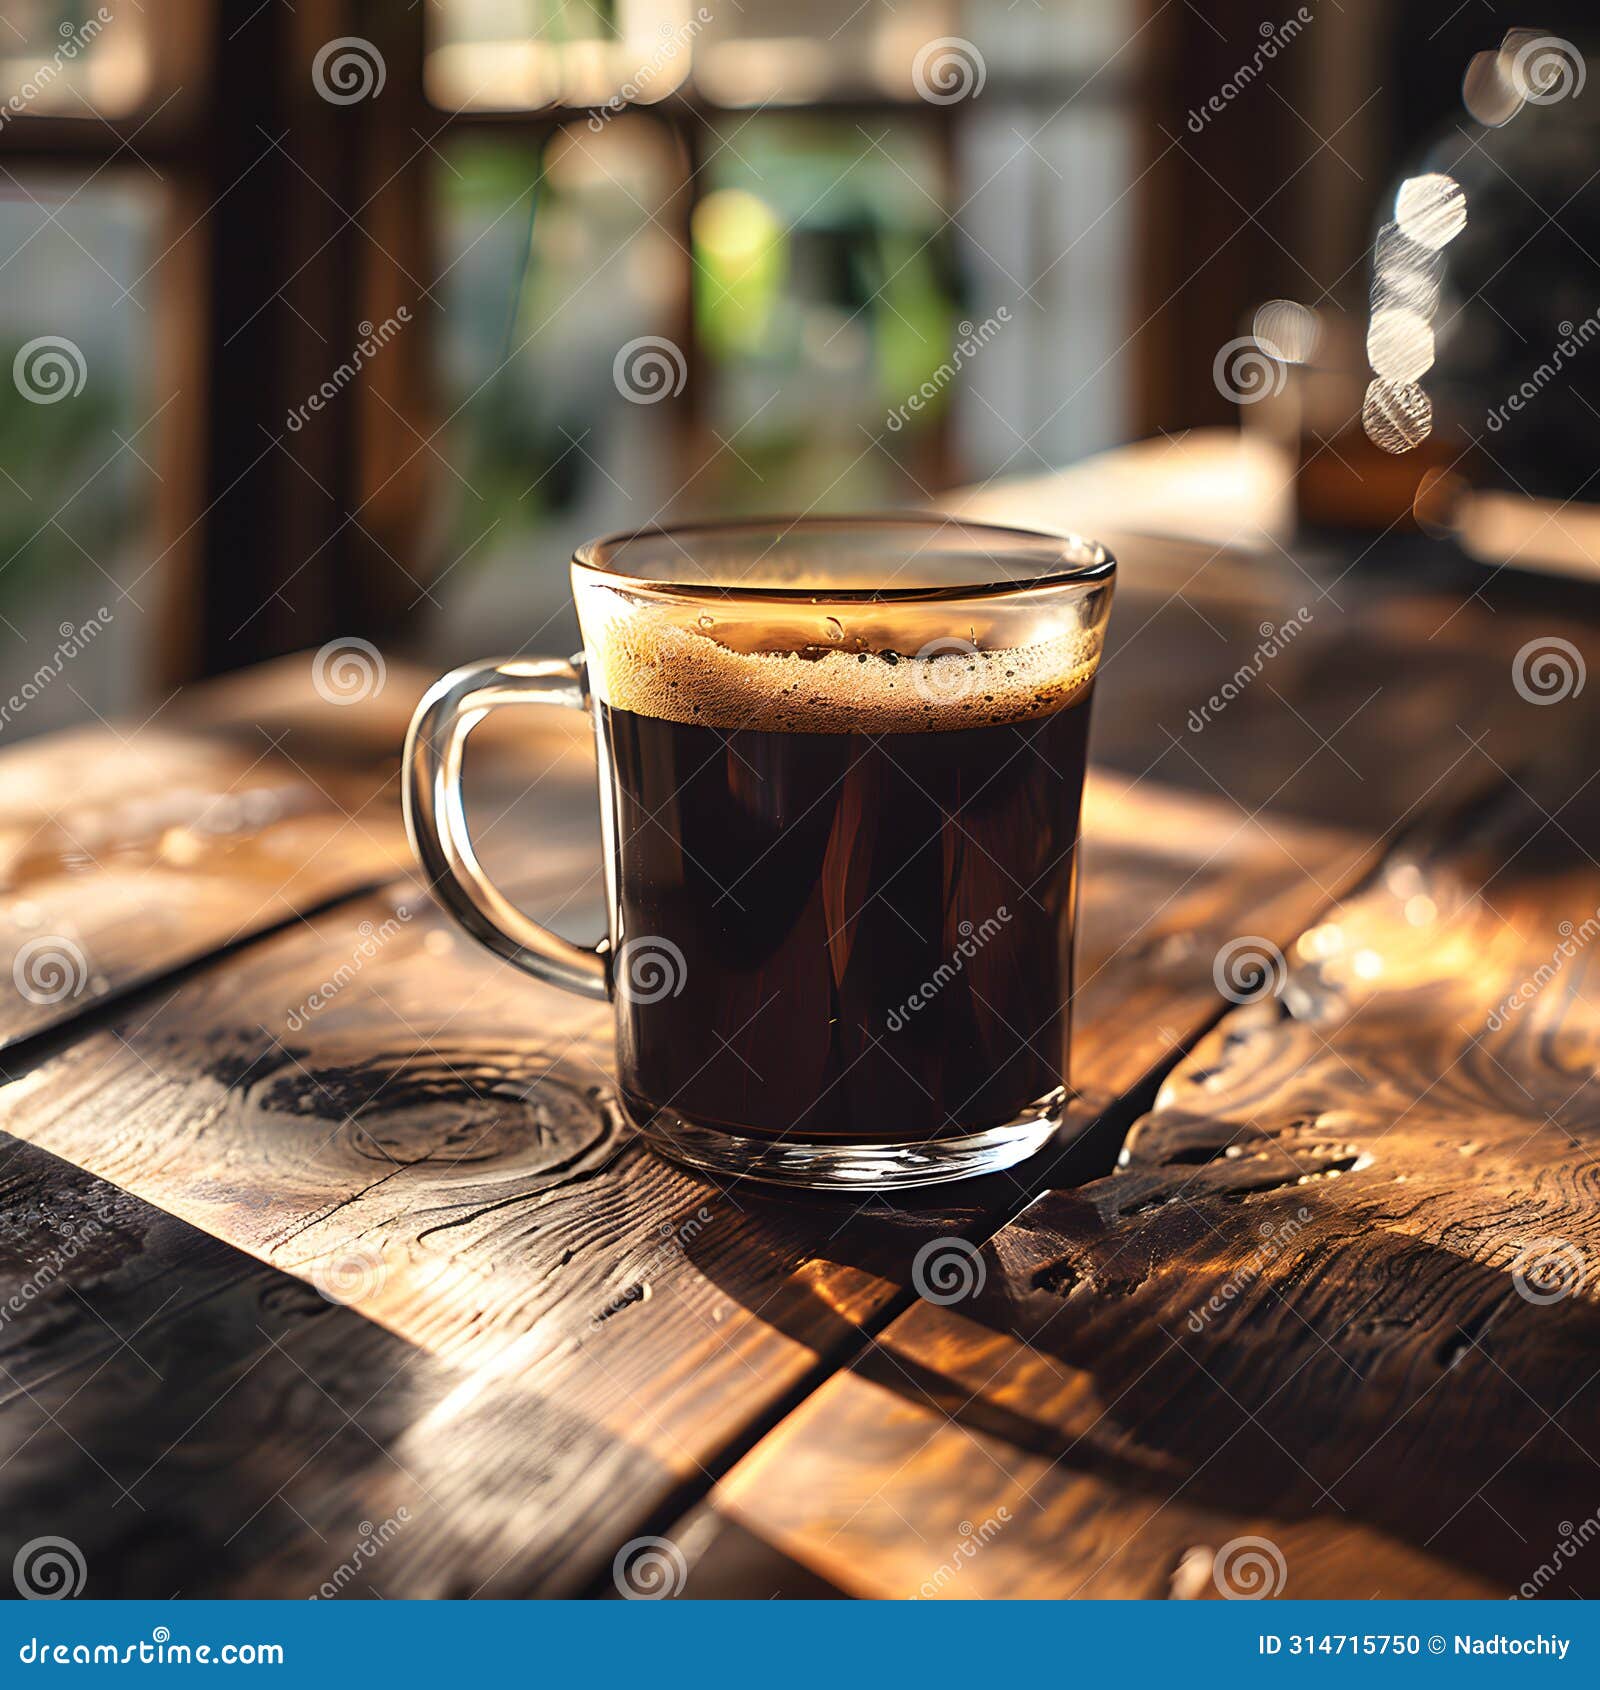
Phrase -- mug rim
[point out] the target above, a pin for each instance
(1095, 562)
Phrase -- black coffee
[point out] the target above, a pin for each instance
(875, 929)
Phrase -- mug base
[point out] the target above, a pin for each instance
(849, 1165)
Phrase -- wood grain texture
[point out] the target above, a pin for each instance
(171, 1390)
(1341, 1295)
(1336, 691)
(128, 851)
(368, 1102)
(170, 849)
(553, 1342)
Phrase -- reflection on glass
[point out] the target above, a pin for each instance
(1405, 275)
(1397, 415)
(1286, 330)
(1488, 92)
(1399, 344)
(1430, 210)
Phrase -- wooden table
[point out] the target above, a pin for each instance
(329, 1267)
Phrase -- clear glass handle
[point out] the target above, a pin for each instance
(436, 816)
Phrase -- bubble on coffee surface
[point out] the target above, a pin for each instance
(728, 672)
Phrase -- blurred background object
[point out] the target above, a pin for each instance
(350, 319)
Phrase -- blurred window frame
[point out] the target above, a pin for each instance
(294, 223)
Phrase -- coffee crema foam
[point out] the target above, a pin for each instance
(646, 661)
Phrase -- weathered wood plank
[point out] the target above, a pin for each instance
(1337, 693)
(583, 1333)
(132, 850)
(129, 851)
(1340, 1296)
(171, 1390)
(434, 1139)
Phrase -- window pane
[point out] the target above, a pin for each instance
(825, 295)
(889, 309)
(512, 54)
(770, 52)
(519, 54)
(552, 264)
(77, 447)
(865, 305)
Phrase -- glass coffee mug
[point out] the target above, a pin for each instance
(841, 767)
